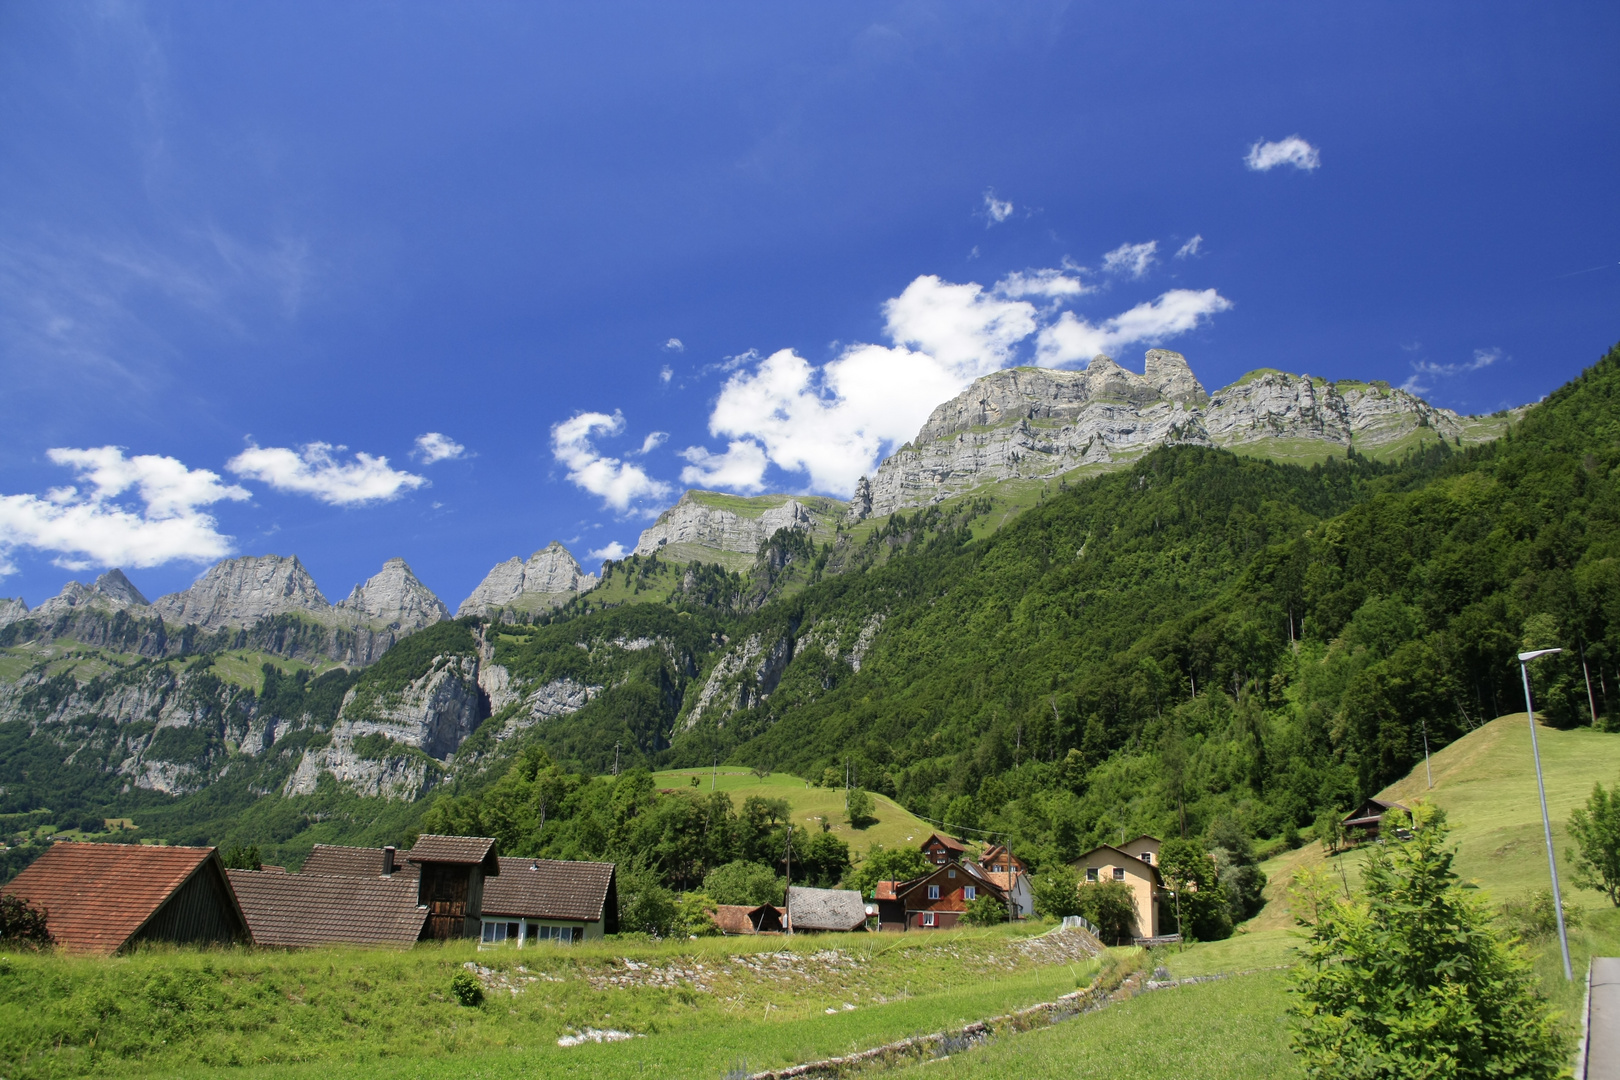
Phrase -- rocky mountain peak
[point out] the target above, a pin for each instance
(548, 578)
(396, 598)
(728, 529)
(111, 590)
(239, 592)
(1169, 373)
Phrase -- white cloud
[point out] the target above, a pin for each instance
(1264, 156)
(740, 468)
(1190, 248)
(1053, 284)
(674, 345)
(833, 421)
(615, 550)
(666, 373)
(436, 447)
(94, 528)
(1424, 371)
(1072, 338)
(1131, 259)
(962, 326)
(653, 441)
(314, 469)
(996, 210)
(618, 483)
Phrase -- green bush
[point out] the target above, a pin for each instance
(20, 921)
(985, 911)
(1111, 908)
(743, 882)
(887, 864)
(466, 989)
(1533, 918)
(242, 857)
(859, 808)
(1410, 979)
(1057, 891)
(1596, 830)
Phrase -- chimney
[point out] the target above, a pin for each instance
(388, 861)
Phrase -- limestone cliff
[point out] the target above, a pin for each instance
(239, 592)
(549, 578)
(395, 599)
(111, 591)
(710, 527)
(12, 609)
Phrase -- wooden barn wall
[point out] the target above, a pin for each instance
(199, 911)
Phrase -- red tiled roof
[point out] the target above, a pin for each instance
(324, 909)
(886, 890)
(96, 896)
(353, 861)
(464, 850)
(548, 889)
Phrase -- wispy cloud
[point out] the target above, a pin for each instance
(674, 345)
(614, 550)
(996, 210)
(434, 447)
(1264, 156)
(96, 523)
(1131, 260)
(666, 373)
(1425, 371)
(315, 470)
(619, 484)
(1073, 338)
(653, 441)
(1190, 248)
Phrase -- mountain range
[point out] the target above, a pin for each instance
(740, 627)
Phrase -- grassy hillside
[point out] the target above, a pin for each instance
(894, 826)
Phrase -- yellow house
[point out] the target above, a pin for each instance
(1137, 865)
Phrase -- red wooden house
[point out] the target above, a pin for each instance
(935, 900)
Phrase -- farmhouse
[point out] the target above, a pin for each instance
(533, 900)
(1135, 864)
(105, 898)
(1364, 821)
(811, 910)
(452, 872)
(1008, 873)
(941, 849)
(935, 900)
(301, 910)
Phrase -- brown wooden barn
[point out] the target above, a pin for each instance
(108, 898)
(452, 870)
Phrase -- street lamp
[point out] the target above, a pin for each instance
(1546, 823)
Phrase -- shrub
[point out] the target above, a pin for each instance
(645, 906)
(1596, 829)
(20, 921)
(887, 864)
(743, 882)
(1533, 917)
(242, 857)
(858, 808)
(1410, 980)
(985, 911)
(695, 916)
(1111, 908)
(1057, 891)
(466, 989)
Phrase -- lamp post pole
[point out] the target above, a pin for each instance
(1546, 822)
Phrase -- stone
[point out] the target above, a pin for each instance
(396, 599)
(12, 610)
(548, 579)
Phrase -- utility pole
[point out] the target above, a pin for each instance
(615, 759)
(1591, 701)
(1426, 771)
(1546, 823)
(788, 892)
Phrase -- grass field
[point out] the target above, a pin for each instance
(894, 825)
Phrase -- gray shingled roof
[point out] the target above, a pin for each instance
(548, 889)
(825, 909)
(466, 850)
(364, 862)
(325, 909)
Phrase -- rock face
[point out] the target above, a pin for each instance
(550, 578)
(1034, 423)
(11, 610)
(395, 599)
(240, 592)
(111, 591)
(395, 745)
(705, 525)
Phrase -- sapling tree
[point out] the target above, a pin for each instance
(1412, 979)
(1596, 829)
(1111, 908)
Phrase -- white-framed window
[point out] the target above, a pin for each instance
(567, 935)
(1119, 873)
(951, 874)
(933, 892)
(499, 931)
(1091, 873)
(969, 892)
(1147, 857)
(928, 918)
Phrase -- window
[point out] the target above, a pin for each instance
(1091, 873)
(928, 918)
(1147, 857)
(951, 874)
(564, 934)
(933, 892)
(969, 892)
(1119, 873)
(500, 931)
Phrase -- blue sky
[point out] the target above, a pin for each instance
(584, 250)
